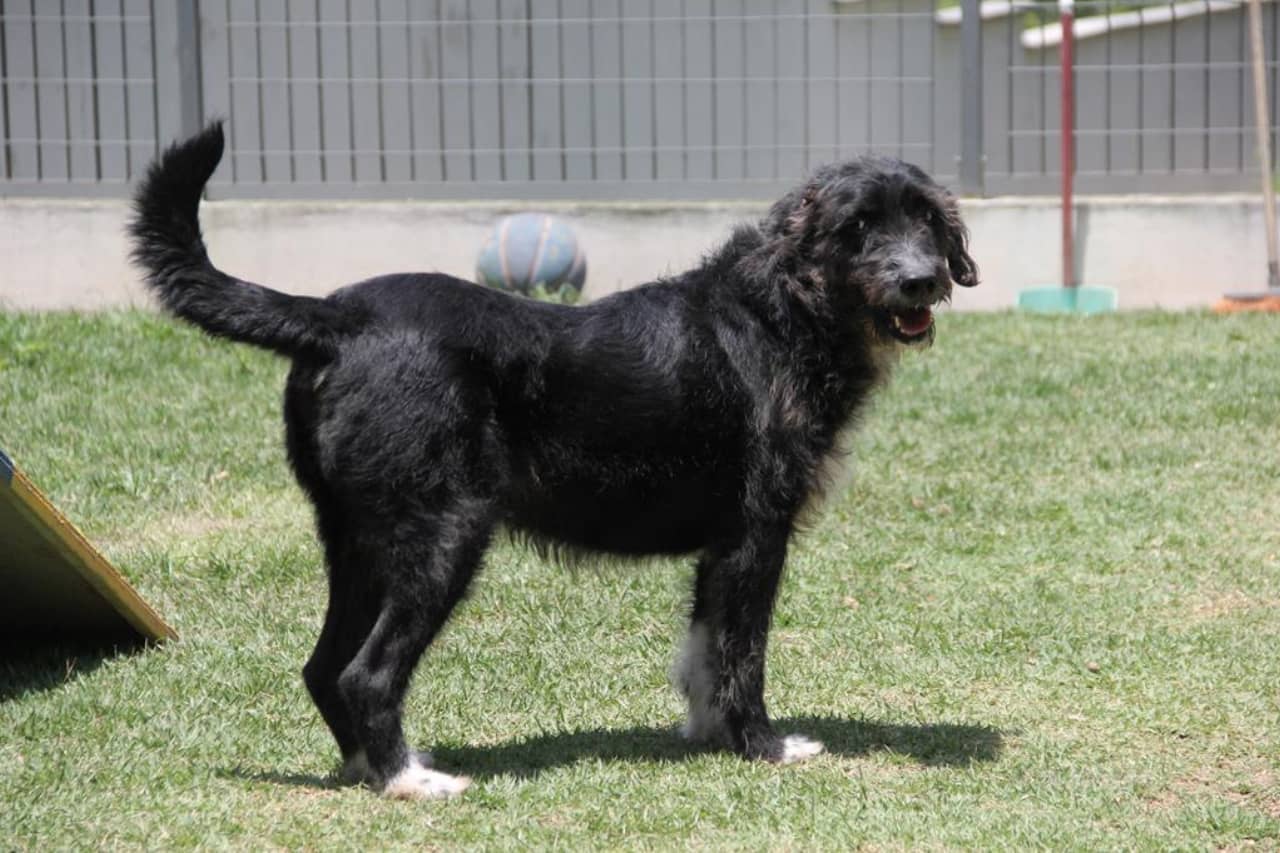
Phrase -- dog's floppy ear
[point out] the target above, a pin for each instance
(964, 271)
(797, 222)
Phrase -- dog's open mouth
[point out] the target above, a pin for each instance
(909, 325)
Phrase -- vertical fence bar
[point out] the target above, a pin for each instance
(1204, 100)
(184, 40)
(275, 100)
(1142, 100)
(1173, 89)
(900, 70)
(560, 66)
(77, 40)
(302, 47)
(933, 80)
(20, 68)
(1010, 84)
(66, 91)
(971, 165)
(513, 103)
(46, 40)
(715, 98)
(291, 115)
(259, 95)
(868, 85)
(591, 88)
(486, 103)
(1241, 88)
(469, 72)
(4, 103)
(836, 88)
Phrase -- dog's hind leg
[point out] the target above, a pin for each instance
(424, 566)
(348, 619)
(733, 605)
(350, 612)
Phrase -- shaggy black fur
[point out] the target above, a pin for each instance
(689, 415)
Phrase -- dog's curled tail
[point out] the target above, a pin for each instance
(168, 246)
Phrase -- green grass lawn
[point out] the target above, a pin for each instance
(1044, 613)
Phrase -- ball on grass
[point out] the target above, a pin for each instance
(535, 255)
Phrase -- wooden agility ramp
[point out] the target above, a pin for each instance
(54, 585)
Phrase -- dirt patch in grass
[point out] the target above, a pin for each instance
(1222, 604)
(1246, 785)
(182, 527)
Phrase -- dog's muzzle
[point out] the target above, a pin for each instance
(907, 316)
(913, 325)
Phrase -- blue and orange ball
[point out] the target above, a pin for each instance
(533, 254)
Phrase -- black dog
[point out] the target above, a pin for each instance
(692, 415)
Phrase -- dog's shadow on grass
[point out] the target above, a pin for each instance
(931, 744)
(273, 777)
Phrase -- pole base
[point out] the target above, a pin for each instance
(1052, 299)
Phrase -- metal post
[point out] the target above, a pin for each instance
(1067, 56)
(1268, 299)
(971, 154)
(1262, 125)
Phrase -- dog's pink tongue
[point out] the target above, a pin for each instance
(916, 321)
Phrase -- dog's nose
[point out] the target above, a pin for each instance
(920, 289)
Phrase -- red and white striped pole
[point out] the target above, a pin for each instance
(1066, 12)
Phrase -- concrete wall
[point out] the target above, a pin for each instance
(1176, 252)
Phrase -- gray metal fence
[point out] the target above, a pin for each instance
(569, 98)
(1162, 97)
(590, 99)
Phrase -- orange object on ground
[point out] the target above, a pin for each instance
(1246, 304)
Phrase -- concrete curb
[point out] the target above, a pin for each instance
(1157, 251)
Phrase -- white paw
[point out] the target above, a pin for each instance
(798, 747)
(416, 782)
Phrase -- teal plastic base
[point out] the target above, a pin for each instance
(1068, 300)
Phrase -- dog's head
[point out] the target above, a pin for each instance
(881, 239)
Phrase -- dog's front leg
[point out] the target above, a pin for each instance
(722, 668)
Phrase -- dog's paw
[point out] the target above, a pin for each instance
(797, 748)
(416, 782)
